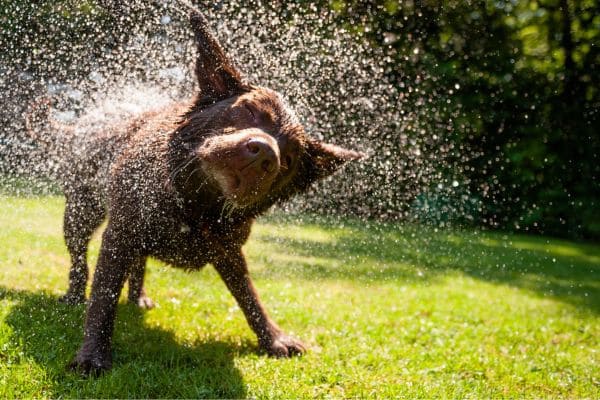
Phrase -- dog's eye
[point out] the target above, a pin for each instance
(251, 111)
(289, 159)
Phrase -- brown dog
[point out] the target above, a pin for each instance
(184, 185)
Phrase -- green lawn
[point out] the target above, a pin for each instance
(388, 311)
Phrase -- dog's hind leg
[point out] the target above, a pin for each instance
(84, 212)
(137, 294)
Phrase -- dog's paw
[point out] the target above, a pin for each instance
(90, 364)
(143, 302)
(72, 298)
(285, 346)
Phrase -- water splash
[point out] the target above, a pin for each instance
(135, 57)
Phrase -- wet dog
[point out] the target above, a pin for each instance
(184, 185)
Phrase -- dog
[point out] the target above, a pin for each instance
(184, 185)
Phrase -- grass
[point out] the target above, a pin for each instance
(389, 311)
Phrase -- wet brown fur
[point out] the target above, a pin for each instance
(156, 177)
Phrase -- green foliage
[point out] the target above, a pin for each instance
(60, 38)
(23, 23)
(526, 104)
(388, 310)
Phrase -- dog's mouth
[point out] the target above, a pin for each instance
(243, 187)
(243, 165)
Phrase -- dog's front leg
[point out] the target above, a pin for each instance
(137, 294)
(114, 262)
(232, 268)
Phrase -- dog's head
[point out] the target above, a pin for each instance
(246, 141)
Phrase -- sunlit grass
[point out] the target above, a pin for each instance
(388, 311)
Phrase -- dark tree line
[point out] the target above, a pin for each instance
(528, 104)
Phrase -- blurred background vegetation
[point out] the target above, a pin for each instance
(523, 75)
(527, 98)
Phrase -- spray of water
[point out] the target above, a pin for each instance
(135, 57)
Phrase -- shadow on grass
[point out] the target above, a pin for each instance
(562, 270)
(148, 362)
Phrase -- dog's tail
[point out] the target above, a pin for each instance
(39, 124)
(37, 116)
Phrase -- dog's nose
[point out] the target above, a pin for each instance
(259, 146)
(263, 153)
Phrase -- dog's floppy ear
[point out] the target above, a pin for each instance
(327, 158)
(217, 77)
